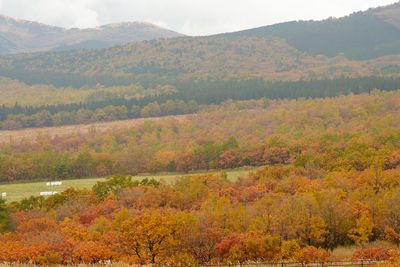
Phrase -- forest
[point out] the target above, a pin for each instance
(361, 35)
(305, 113)
(161, 62)
(134, 101)
(339, 133)
(276, 214)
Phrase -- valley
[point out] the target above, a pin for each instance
(278, 144)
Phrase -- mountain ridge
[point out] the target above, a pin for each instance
(24, 36)
(361, 44)
(361, 35)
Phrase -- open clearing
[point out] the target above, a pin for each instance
(51, 132)
(19, 191)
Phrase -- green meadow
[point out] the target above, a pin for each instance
(19, 191)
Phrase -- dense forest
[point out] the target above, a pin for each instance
(341, 133)
(310, 108)
(276, 214)
(362, 35)
(331, 180)
(153, 63)
(127, 102)
(14, 92)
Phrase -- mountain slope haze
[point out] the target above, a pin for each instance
(20, 36)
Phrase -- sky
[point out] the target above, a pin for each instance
(191, 17)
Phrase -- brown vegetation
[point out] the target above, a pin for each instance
(81, 129)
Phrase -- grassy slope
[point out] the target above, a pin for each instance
(20, 191)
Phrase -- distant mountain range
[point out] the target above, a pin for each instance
(362, 44)
(20, 36)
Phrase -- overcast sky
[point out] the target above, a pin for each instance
(192, 17)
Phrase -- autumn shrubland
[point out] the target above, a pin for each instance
(38, 106)
(275, 144)
(327, 187)
(277, 213)
(347, 133)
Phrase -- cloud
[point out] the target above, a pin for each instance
(193, 17)
(71, 13)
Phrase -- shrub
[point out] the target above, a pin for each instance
(312, 254)
(372, 253)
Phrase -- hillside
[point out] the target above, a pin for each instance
(20, 36)
(202, 58)
(341, 133)
(179, 76)
(389, 14)
(275, 146)
(362, 35)
(365, 43)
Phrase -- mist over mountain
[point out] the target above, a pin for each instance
(20, 36)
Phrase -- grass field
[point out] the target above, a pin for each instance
(16, 192)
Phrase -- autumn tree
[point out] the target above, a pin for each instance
(4, 216)
(91, 252)
(362, 231)
(392, 235)
(253, 246)
(150, 235)
(311, 254)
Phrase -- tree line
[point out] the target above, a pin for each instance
(185, 99)
(45, 118)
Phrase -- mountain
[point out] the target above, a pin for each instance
(389, 14)
(362, 44)
(166, 61)
(362, 35)
(20, 36)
